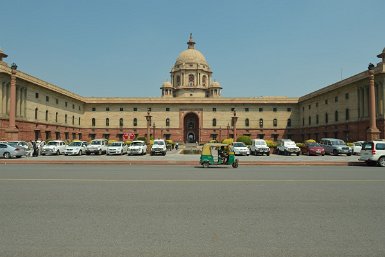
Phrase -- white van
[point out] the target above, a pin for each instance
(259, 147)
(97, 146)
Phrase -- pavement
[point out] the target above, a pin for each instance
(175, 157)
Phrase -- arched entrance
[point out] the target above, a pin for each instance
(191, 128)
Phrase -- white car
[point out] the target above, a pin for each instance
(159, 147)
(137, 147)
(76, 148)
(357, 146)
(373, 152)
(54, 147)
(118, 147)
(259, 146)
(97, 146)
(287, 147)
(241, 149)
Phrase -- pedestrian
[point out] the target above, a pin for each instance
(35, 149)
(176, 146)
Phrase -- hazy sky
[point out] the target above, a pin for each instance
(254, 48)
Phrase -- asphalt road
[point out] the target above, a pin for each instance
(82, 210)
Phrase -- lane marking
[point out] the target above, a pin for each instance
(192, 180)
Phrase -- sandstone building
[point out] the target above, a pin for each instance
(191, 108)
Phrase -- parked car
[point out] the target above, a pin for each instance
(20, 143)
(287, 147)
(76, 147)
(313, 149)
(159, 147)
(259, 146)
(335, 146)
(97, 146)
(9, 151)
(240, 149)
(137, 147)
(373, 152)
(54, 147)
(118, 147)
(357, 147)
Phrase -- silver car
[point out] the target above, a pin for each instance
(8, 151)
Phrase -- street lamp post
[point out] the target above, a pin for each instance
(372, 133)
(234, 121)
(148, 119)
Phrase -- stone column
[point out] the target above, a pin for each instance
(372, 133)
(234, 118)
(148, 119)
(12, 132)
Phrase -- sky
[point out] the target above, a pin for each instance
(124, 48)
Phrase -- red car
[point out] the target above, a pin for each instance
(313, 149)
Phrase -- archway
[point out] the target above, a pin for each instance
(191, 128)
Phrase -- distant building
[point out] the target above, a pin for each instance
(190, 109)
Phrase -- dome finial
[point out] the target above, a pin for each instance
(191, 42)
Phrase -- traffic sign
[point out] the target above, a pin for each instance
(132, 136)
(125, 136)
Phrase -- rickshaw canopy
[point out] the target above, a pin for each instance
(206, 150)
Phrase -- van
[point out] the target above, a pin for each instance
(97, 146)
(259, 147)
(373, 152)
(334, 146)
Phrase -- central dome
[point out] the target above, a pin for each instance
(191, 55)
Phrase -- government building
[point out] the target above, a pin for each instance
(191, 109)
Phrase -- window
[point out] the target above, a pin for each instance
(178, 80)
(232, 109)
(336, 99)
(326, 101)
(214, 122)
(107, 122)
(93, 109)
(36, 110)
(289, 109)
(73, 120)
(326, 118)
(73, 106)
(289, 122)
(336, 116)
(135, 109)
(135, 122)
(79, 124)
(274, 109)
(121, 122)
(214, 109)
(347, 114)
(149, 109)
(93, 122)
(303, 121)
(346, 96)
(56, 116)
(247, 122)
(57, 101)
(309, 120)
(121, 109)
(309, 107)
(191, 80)
(167, 109)
(46, 115)
(316, 104)
(66, 104)
(204, 80)
(246, 109)
(168, 122)
(317, 119)
(65, 118)
(260, 109)
(261, 123)
(47, 98)
(36, 95)
(107, 109)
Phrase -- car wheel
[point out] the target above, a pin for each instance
(57, 152)
(7, 155)
(88, 153)
(381, 161)
(298, 153)
(349, 154)
(80, 152)
(268, 153)
(335, 152)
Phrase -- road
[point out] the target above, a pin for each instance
(120, 210)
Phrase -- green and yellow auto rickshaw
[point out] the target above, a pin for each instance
(218, 154)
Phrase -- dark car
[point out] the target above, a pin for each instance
(313, 149)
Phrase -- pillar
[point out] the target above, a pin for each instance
(372, 133)
(12, 133)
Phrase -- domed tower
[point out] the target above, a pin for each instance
(167, 90)
(191, 74)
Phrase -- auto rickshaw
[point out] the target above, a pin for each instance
(218, 154)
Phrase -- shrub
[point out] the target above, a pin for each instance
(244, 139)
(141, 138)
(300, 145)
(310, 141)
(271, 143)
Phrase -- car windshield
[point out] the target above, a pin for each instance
(75, 144)
(14, 144)
(290, 143)
(367, 146)
(313, 144)
(239, 144)
(158, 143)
(96, 142)
(115, 144)
(53, 143)
(137, 143)
(260, 143)
(338, 142)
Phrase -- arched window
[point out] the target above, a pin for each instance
(36, 111)
(289, 122)
(214, 122)
(93, 122)
(79, 123)
(275, 122)
(247, 122)
(135, 122)
(191, 80)
(178, 80)
(168, 122)
(204, 80)
(46, 115)
(336, 116)
(107, 122)
(261, 123)
(121, 122)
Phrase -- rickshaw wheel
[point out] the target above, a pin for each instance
(205, 164)
(235, 164)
